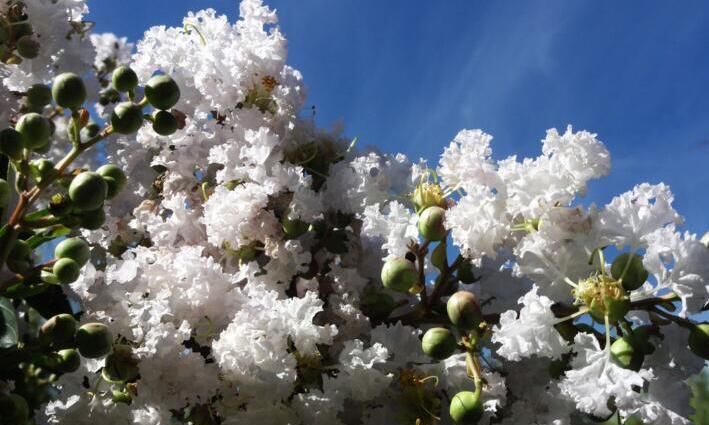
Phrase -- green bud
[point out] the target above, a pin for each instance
(438, 343)
(463, 310)
(14, 409)
(94, 340)
(466, 407)
(399, 274)
(465, 273)
(11, 144)
(59, 330)
(87, 191)
(635, 276)
(66, 270)
(59, 205)
(162, 92)
(293, 228)
(127, 118)
(119, 396)
(115, 179)
(625, 354)
(615, 308)
(430, 223)
(68, 90)
(75, 249)
(28, 47)
(124, 79)
(699, 340)
(4, 193)
(164, 123)
(108, 95)
(43, 170)
(377, 305)
(68, 360)
(20, 258)
(35, 130)
(39, 95)
(633, 420)
(92, 129)
(120, 366)
(93, 219)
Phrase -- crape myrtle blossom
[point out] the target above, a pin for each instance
(259, 269)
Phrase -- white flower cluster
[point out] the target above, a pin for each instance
(242, 263)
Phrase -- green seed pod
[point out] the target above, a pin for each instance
(377, 305)
(625, 355)
(633, 420)
(466, 407)
(14, 409)
(430, 223)
(66, 270)
(87, 191)
(20, 258)
(11, 144)
(127, 118)
(75, 249)
(69, 360)
(464, 311)
(399, 274)
(35, 130)
(94, 340)
(68, 90)
(108, 95)
(115, 179)
(699, 340)
(438, 343)
(124, 79)
(120, 366)
(39, 96)
(162, 92)
(92, 220)
(465, 273)
(59, 330)
(43, 170)
(616, 309)
(4, 194)
(28, 47)
(164, 123)
(635, 276)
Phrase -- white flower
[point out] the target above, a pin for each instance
(466, 162)
(397, 227)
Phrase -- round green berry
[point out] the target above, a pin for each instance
(635, 274)
(94, 340)
(39, 95)
(124, 79)
(466, 407)
(162, 92)
(377, 305)
(438, 343)
(92, 129)
(69, 360)
(115, 179)
(92, 220)
(625, 355)
(120, 365)
(43, 170)
(66, 270)
(35, 130)
(127, 118)
(293, 228)
(11, 144)
(87, 191)
(75, 249)
(20, 260)
(68, 90)
(615, 308)
(430, 224)
(59, 330)
(164, 123)
(399, 274)
(463, 310)
(28, 47)
(4, 193)
(14, 409)
(699, 340)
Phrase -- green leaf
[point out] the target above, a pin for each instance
(36, 215)
(47, 235)
(9, 335)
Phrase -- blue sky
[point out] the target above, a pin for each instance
(406, 76)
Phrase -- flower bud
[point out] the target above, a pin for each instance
(59, 330)
(699, 340)
(633, 420)
(43, 170)
(68, 360)
(14, 409)
(127, 118)
(162, 92)
(4, 193)
(87, 191)
(124, 79)
(463, 310)
(108, 95)
(293, 228)
(625, 355)
(39, 96)
(20, 258)
(430, 223)
(28, 47)
(466, 407)
(11, 144)
(68, 90)
(93, 219)
(164, 123)
(399, 274)
(94, 340)
(59, 205)
(66, 270)
(377, 305)
(635, 275)
(438, 343)
(120, 365)
(616, 308)
(114, 177)
(35, 130)
(73, 248)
